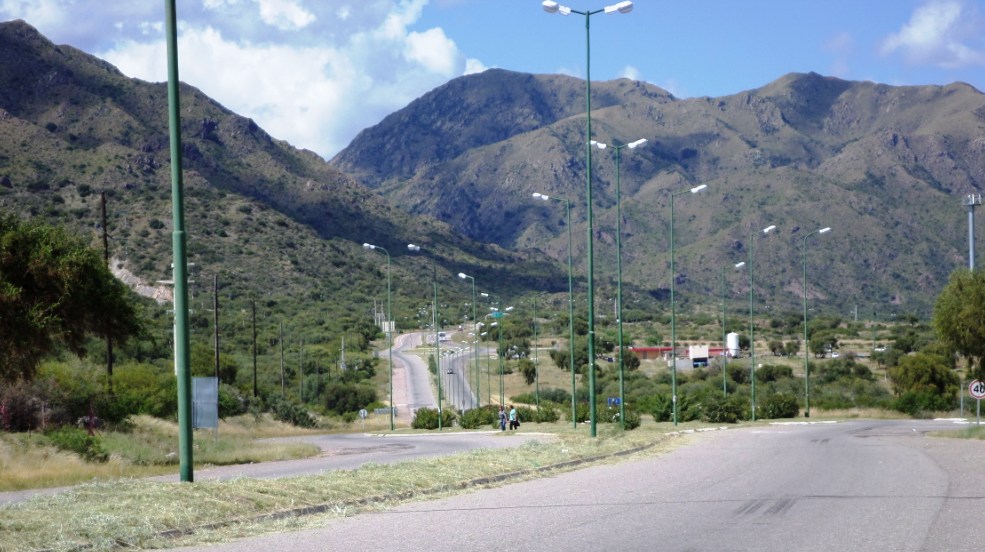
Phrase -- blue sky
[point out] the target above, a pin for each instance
(316, 72)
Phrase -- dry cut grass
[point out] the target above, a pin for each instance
(132, 513)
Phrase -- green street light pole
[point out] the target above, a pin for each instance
(571, 302)
(621, 7)
(182, 357)
(725, 334)
(807, 370)
(389, 328)
(475, 352)
(673, 303)
(752, 335)
(436, 319)
(618, 149)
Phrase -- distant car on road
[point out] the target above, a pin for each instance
(880, 349)
(450, 371)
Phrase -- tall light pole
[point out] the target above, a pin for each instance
(618, 149)
(437, 342)
(752, 330)
(488, 373)
(389, 322)
(475, 325)
(571, 302)
(807, 369)
(971, 201)
(182, 354)
(725, 334)
(621, 7)
(673, 303)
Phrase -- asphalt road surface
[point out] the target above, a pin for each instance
(859, 485)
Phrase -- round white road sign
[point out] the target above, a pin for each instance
(977, 389)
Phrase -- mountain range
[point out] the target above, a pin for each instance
(885, 166)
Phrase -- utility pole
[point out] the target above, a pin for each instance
(109, 338)
(215, 321)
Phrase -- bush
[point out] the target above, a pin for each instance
(779, 405)
(633, 419)
(919, 403)
(547, 414)
(79, 441)
(427, 418)
(725, 410)
(662, 409)
(477, 417)
(291, 413)
(772, 372)
(555, 395)
(582, 412)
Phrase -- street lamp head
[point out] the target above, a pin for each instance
(484, 294)
(599, 145)
(508, 309)
(823, 230)
(697, 189)
(636, 144)
(463, 275)
(740, 265)
(769, 229)
(621, 7)
(414, 248)
(368, 246)
(554, 7)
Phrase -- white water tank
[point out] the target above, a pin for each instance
(732, 344)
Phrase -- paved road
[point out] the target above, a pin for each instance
(860, 485)
(411, 384)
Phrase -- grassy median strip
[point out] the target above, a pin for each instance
(140, 513)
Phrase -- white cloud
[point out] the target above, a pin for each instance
(934, 36)
(288, 64)
(432, 49)
(473, 66)
(286, 15)
(630, 72)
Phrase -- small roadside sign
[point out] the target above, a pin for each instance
(977, 389)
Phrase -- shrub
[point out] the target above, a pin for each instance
(291, 413)
(477, 417)
(772, 372)
(555, 395)
(427, 418)
(79, 441)
(779, 405)
(725, 410)
(662, 409)
(633, 419)
(582, 412)
(547, 414)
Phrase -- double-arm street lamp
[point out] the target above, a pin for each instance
(475, 353)
(618, 149)
(752, 330)
(807, 370)
(621, 7)
(389, 315)
(571, 301)
(673, 303)
(725, 334)
(436, 319)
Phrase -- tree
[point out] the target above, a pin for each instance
(926, 381)
(529, 370)
(54, 291)
(959, 317)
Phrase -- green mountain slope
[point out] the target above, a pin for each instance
(886, 167)
(275, 223)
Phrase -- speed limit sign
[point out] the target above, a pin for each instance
(977, 389)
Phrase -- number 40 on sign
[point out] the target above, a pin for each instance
(977, 389)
